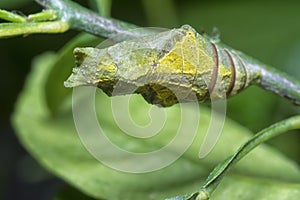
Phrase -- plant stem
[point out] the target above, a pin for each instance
(45, 15)
(274, 80)
(216, 176)
(11, 17)
(81, 18)
(281, 84)
(14, 29)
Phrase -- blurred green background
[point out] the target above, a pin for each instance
(267, 30)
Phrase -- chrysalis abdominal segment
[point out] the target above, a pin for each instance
(165, 68)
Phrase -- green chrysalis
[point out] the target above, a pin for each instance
(177, 65)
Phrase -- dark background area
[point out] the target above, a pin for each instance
(267, 30)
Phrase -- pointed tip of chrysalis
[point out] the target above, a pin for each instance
(75, 80)
(69, 83)
(82, 75)
(85, 72)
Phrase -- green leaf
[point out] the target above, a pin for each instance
(52, 139)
